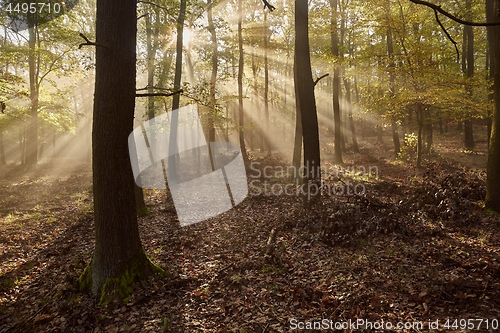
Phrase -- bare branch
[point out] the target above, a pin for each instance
(160, 94)
(88, 42)
(268, 5)
(158, 6)
(319, 78)
(453, 17)
(154, 87)
(447, 34)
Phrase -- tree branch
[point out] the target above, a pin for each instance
(153, 87)
(319, 78)
(447, 34)
(268, 5)
(88, 42)
(453, 17)
(160, 94)
(158, 6)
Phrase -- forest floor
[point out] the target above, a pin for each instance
(416, 247)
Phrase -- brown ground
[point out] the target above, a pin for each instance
(417, 247)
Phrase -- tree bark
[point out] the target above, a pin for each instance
(305, 91)
(392, 79)
(118, 257)
(266, 87)
(2, 150)
(493, 168)
(420, 121)
(297, 146)
(490, 5)
(32, 137)
(347, 85)
(213, 77)
(469, 71)
(240, 83)
(337, 157)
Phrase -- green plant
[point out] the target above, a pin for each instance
(407, 151)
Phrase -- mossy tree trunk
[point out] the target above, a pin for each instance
(118, 258)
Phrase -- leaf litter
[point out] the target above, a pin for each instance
(417, 246)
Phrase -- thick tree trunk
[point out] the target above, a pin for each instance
(118, 257)
(306, 100)
(493, 168)
(297, 146)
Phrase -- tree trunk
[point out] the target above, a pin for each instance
(380, 139)
(266, 87)
(347, 84)
(420, 120)
(2, 150)
(337, 154)
(392, 79)
(32, 137)
(493, 168)
(469, 36)
(306, 100)
(213, 77)
(240, 84)
(491, 64)
(118, 258)
(297, 146)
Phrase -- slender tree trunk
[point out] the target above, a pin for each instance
(469, 36)
(2, 150)
(491, 63)
(428, 132)
(347, 85)
(380, 139)
(32, 138)
(337, 157)
(493, 168)
(213, 77)
(178, 57)
(392, 79)
(241, 122)
(266, 86)
(420, 120)
(118, 258)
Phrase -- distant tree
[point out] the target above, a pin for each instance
(337, 157)
(468, 70)
(240, 83)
